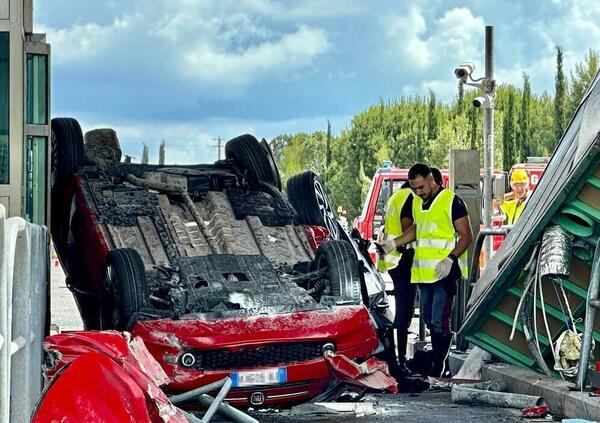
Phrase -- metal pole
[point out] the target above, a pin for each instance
(488, 142)
(590, 314)
(186, 396)
(212, 409)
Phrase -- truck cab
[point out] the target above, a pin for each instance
(386, 181)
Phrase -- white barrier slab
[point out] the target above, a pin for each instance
(23, 284)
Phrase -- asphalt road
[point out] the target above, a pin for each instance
(429, 406)
(63, 310)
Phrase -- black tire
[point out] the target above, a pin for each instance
(125, 289)
(67, 149)
(343, 271)
(308, 196)
(254, 158)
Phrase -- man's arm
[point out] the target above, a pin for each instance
(408, 236)
(465, 235)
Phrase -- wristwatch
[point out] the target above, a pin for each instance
(453, 257)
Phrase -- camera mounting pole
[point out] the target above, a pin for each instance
(489, 87)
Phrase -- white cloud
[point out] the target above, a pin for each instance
(290, 53)
(406, 32)
(83, 42)
(455, 36)
(201, 42)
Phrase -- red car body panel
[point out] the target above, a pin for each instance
(349, 328)
(89, 363)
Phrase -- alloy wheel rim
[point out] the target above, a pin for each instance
(326, 210)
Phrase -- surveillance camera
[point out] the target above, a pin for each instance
(464, 71)
(483, 101)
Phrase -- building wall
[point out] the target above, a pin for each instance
(16, 18)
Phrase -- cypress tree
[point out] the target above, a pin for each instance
(508, 133)
(473, 128)
(461, 98)
(161, 153)
(144, 154)
(523, 147)
(431, 118)
(559, 98)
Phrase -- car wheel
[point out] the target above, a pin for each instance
(254, 158)
(342, 269)
(308, 196)
(67, 149)
(125, 288)
(66, 156)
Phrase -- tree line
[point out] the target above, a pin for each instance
(422, 128)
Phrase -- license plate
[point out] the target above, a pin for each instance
(259, 377)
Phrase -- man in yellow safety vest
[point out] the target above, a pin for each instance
(443, 233)
(398, 265)
(513, 206)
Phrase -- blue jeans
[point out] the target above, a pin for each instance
(436, 306)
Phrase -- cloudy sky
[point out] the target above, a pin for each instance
(190, 71)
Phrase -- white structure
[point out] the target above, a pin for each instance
(24, 114)
(23, 282)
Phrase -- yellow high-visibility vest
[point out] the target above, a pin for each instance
(513, 209)
(393, 227)
(436, 237)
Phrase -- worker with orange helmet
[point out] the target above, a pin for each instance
(513, 206)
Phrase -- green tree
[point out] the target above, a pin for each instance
(327, 152)
(161, 153)
(460, 99)
(144, 154)
(508, 134)
(278, 145)
(473, 128)
(522, 148)
(432, 125)
(560, 97)
(582, 78)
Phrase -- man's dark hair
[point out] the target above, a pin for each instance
(418, 169)
(406, 184)
(437, 176)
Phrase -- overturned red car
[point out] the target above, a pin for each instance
(214, 267)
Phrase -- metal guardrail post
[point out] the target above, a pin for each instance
(465, 290)
(590, 313)
(218, 401)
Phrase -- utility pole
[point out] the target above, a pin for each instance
(218, 146)
(488, 85)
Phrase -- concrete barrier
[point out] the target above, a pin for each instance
(23, 285)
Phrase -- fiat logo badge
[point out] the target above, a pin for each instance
(257, 398)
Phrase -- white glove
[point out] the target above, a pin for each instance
(442, 269)
(385, 247)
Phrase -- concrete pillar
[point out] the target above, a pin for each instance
(465, 180)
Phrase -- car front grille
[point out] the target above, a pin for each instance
(270, 355)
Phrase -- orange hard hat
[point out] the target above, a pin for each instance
(519, 176)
